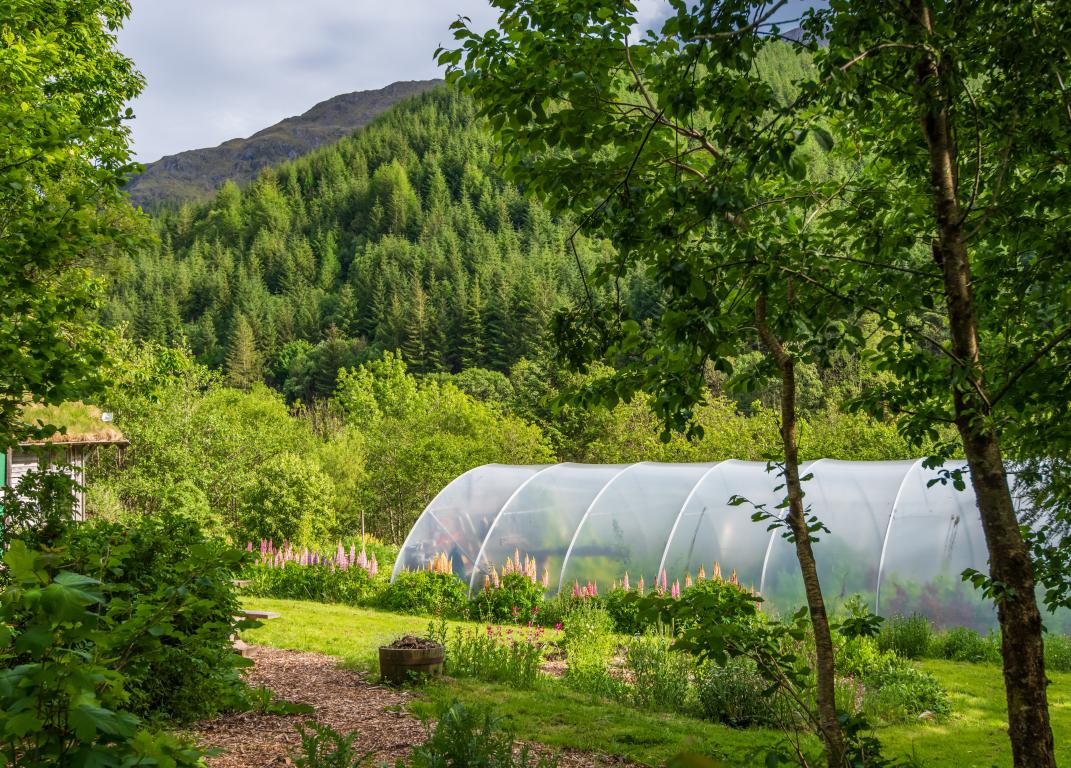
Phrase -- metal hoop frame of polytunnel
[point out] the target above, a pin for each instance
(896, 538)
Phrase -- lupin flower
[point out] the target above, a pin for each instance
(546, 578)
(675, 590)
(716, 573)
(624, 584)
(702, 573)
(687, 580)
(639, 587)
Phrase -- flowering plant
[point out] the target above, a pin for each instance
(507, 654)
(341, 576)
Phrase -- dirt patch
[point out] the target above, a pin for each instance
(341, 698)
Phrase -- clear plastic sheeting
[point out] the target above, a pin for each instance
(894, 538)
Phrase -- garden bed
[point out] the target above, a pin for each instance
(343, 699)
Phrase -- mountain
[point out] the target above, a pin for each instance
(195, 175)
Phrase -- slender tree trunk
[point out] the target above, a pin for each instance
(831, 734)
(1009, 558)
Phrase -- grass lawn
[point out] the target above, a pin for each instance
(974, 737)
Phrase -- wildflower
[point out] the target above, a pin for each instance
(675, 590)
(687, 580)
(702, 573)
(640, 587)
(625, 583)
(249, 547)
(546, 578)
(716, 573)
(559, 626)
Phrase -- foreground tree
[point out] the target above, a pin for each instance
(64, 156)
(977, 234)
(662, 143)
(678, 151)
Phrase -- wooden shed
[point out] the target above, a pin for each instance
(82, 430)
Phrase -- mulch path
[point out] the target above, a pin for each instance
(343, 699)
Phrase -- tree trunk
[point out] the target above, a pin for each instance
(831, 734)
(1009, 558)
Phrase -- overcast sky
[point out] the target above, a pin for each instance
(220, 69)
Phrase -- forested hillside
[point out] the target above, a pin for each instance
(401, 237)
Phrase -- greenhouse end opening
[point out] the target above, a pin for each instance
(896, 537)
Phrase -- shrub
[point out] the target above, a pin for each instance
(908, 637)
(517, 598)
(65, 639)
(499, 654)
(162, 570)
(624, 612)
(661, 677)
(962, 644)
(1057, 653)
(426, 593)
(899, 692)
(467, 736)
(734, 693)
(860, 656)
(556, 608)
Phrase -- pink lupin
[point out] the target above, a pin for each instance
(624, 584)
(639, 587)
(249, 546)
(675, 590)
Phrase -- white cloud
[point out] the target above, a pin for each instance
(220, 69)
(217, 69)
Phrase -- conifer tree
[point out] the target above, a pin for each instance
(243, 360)
(470, 348)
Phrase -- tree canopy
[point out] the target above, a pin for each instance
(64, 155)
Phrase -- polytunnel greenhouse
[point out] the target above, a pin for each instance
(895, 538)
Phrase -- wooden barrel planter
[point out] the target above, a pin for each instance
(410, 658)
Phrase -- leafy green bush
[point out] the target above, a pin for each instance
(471, 737)
(66, 640)
(898, 692)
(661, 677)
(426, 593)
(500, 654)
(163, 570)
(734, 693)
(908, 637)
(962, 644)
(556, 608)
(517, 598)
(860, 656)
(624, 612)
(1057, 653)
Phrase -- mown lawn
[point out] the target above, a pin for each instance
(973, 737)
